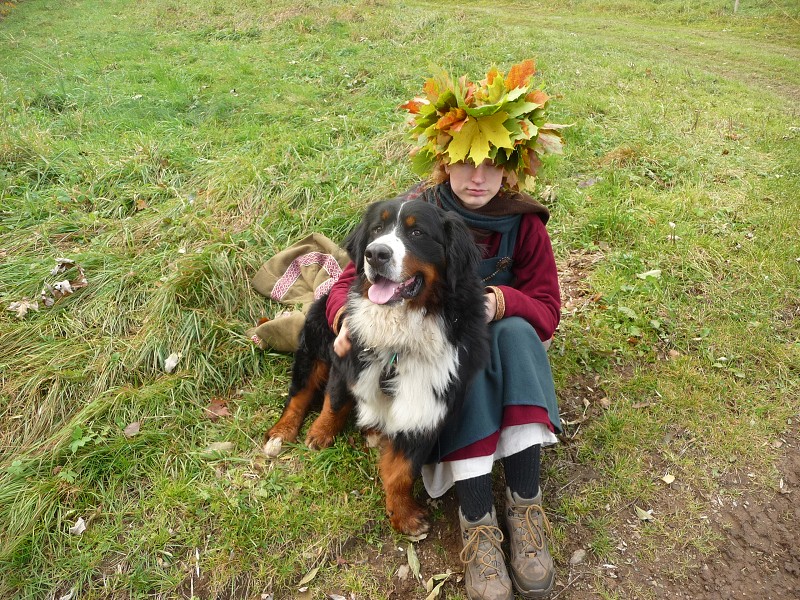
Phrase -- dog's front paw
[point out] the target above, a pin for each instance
(317, 440)
(413, 522)
(273, 446)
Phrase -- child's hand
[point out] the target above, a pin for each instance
(341, 345)
(491, 306)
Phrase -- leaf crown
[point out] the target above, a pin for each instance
(501, 118)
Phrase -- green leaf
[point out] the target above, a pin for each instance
(497, 91)
(475, 137)
(482, 111)
(628, 312)
(521, 107)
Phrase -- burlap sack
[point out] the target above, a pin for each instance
(296, 276)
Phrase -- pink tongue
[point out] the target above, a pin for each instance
(383, 291)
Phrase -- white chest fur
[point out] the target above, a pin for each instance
(425, 364)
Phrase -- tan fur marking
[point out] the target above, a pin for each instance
(327, 425)
(405, 515)
(426, 298)
(291, 420)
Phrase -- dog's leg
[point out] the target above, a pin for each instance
(405, 515)
(328, 424)
(288, 426)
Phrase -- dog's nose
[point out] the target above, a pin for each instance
(378, 255)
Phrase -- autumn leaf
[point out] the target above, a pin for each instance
(413, 561)
(132, 429)
(431, 89)
(218, 408)
(520, 74)
(490, 76)
(550, 142)
(172, 362)
(496, 91)
(454, 119)
(537, 97)
(79, 527)
(414, 105)
(23, 306)
(476, 137)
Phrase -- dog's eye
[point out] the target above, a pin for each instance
(415, 232)
(377, 229)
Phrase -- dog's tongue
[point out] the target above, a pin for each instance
(382, 291)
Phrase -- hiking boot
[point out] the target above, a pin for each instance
(532, 569)
(485, 575)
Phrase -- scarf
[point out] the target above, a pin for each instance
(500, 214)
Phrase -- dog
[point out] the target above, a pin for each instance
(417, 326)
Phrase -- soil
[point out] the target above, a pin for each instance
(753, 548)
(755, 552)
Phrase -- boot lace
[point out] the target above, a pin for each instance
(532, 530)
(482, 546)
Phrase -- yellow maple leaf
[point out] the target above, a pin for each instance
(476, 136)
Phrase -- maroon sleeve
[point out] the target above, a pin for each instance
(535, 295)
(338, 294)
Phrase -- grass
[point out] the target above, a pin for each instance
(169, 148)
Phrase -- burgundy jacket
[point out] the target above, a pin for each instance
(534, 295)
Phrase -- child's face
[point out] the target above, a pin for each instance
(475, 186)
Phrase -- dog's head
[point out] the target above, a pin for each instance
(412, 251)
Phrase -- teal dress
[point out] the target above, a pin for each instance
(518, 372)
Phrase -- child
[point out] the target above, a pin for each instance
(482, 142)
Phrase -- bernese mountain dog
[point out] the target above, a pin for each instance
(417, 326)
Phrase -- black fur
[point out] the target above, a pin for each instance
(446, 243)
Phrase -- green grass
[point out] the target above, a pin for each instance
(169, 148)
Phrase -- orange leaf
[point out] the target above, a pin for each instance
(218, 408)
(414, 104)
(469, 95)
(538, 97)
(493, 72)
(431, 89)
(520, 74)
(452, 118)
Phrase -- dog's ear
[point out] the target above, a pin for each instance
(356, 241)
(462, 253)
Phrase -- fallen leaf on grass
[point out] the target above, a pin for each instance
(433, 588)
(605, 402)
(654, 273)
(578, 557)
(413, 561)
(132, 429)
(52, 293)
(79, 527)
(68, 596)
(23, 306)
(644, 515)
(218, 408)
(668, 479)
(308, 576)
(172, 362)
(402, 572)
(219, 447)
